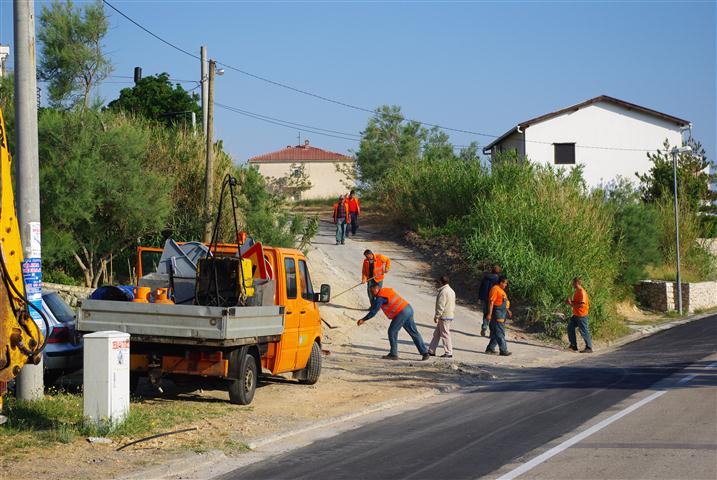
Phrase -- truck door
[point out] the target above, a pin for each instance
(290, 337)
(308, 316)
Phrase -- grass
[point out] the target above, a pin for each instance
(58, 419)
(668, 273)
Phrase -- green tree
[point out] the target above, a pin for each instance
(99, 196)
(155, 98)
(71, 56)
(636, 231)
(388, 141)
(693, 178)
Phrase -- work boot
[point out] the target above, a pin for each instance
(432, 354)
(490, 352)
(445, 355)
(573, 348)
(587, 350)
(425, 357)
(482, 332)
(506, 354)
(390, 357)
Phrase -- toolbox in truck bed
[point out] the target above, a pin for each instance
(168, 323)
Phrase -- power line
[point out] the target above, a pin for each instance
(346, 104)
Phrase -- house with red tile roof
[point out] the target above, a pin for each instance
(324, 169)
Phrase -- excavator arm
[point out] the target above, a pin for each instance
(20, 338)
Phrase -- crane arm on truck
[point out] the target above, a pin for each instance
(20, 338)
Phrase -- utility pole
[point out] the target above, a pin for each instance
(205, 88)
(675, 152)
(30, 382)
(209, 173)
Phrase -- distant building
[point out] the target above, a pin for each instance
(324, 169)
(606, 135)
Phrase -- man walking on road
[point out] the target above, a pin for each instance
(354, 212)
(489, 280)
(400, 312)
(375, 266)
(445, 307)
(581, 307)
(498, 311)
(341, 218)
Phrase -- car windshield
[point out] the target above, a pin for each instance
(59, 308)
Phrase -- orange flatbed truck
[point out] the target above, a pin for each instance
(235, 344)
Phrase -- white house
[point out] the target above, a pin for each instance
(609, 137)
(326, 170)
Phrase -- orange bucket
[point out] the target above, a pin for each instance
(141, 294)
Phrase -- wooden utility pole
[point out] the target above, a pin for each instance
(209, 173)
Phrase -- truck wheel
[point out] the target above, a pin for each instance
(243, 372)
(313, 366)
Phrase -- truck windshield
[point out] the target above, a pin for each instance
(61, 310)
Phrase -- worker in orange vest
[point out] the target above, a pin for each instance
(581, 307)
(374, 268)
(400, 312)
(354, 212)
(341, 218)
(498, 311)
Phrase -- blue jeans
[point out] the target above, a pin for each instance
(582, 324)
(370, 285)
(497, 336)
(405, 320)
(340, 230)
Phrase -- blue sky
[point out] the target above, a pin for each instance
(480, 66)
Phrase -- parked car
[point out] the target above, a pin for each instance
(63, 353)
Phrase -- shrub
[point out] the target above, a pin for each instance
(539, 223)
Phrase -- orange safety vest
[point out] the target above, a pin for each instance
(346, 210)
(395, 303)
(381, 263)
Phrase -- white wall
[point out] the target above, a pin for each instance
(602, 124)
(325, 180)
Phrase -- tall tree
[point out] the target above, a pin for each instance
(693, 178)
(71, 56)
(387, 141)
(99, 193)
(156, 98)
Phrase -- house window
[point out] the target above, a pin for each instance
(564, 153)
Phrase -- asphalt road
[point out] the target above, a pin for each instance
(497, 428)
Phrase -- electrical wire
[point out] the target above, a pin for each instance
(346, 104)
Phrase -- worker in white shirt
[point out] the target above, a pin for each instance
(445, 307)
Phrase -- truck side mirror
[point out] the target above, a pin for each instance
(325, 295)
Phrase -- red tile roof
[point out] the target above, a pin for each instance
(300, 153)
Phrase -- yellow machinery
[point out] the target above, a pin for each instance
(20, 338)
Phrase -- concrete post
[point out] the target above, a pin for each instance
(30, 381)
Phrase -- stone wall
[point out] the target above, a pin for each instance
(662, 296)
(709, 244)
(69, 293)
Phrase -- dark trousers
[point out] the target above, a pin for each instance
(354, 223)
(405, 320)
(497, 336)
(484, 326)
(580, 323)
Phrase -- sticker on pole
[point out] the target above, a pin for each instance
(32, 276)
(35, 240)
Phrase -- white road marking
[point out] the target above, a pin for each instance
(526, 467)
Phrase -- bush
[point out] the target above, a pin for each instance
(539, 223)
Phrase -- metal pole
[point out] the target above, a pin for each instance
(205, 88)
(194, 123)
(29, 382)
(677, 233)
(209, 172)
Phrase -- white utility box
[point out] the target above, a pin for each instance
(106, 376)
